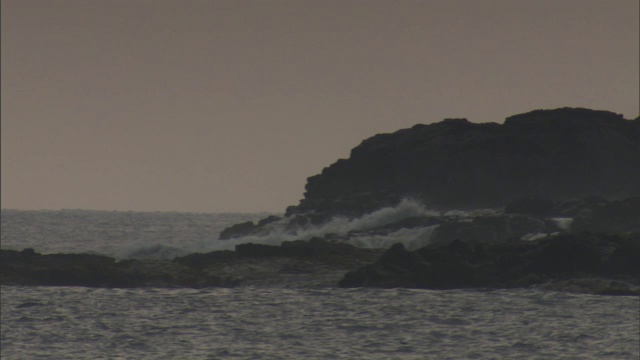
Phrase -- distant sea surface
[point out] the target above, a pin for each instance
(272, 323)
(115, 233)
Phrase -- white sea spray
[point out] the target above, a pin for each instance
(563, 223)
(277, 232)
(156, 235)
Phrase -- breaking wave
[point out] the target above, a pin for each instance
(372, 230)
(412, 239)
(343, 228)
(142, 235)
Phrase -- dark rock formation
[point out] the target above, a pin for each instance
(247, 228)
(610, 217)
(492, 228)
(567, 179)
(555, 154)
(30, 268)
(531, 206)
(316, 263)
(592, 213)
(238, 230)
(507, 264)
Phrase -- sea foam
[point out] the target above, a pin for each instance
(340, 227)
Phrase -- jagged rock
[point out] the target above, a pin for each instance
(537, 164)
(458, 164)
(592, 213)
(531, 206)
(577, 207)
(505, 264)
(257, 250)
(300, 222)
(238, 230)
(491, 228)
(268, 220)
(610, 217)
(30, 268)
(316, 263)
(247, 228)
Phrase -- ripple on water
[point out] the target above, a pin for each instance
(315, 324)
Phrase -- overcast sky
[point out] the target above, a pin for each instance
(225, 106)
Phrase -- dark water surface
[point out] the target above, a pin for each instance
(255, 323)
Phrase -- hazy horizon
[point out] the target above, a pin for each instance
(228, 106)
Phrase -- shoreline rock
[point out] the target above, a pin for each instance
(576, 262)
(562, 261)
(315, 263)
(563, 183)
(536, 164)
(487, 249)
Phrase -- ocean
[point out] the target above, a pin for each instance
(279, 323)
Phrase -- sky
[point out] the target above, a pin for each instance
(229, 105)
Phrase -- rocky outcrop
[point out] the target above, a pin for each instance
(610, 217)
(492, 228)
(27, 267)
(534, 163)
(238, 230)
(592, 213)
(315, 263)
(560, 189)
(247, 228)
(555, 154)
(558, 260)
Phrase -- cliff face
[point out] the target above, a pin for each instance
(558, 154)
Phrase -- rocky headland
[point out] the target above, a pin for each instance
(550, 198)
(557, 154)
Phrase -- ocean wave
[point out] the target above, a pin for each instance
(344, 228)
(167, 235)
(366, 231)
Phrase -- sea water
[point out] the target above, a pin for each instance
(273, 323)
